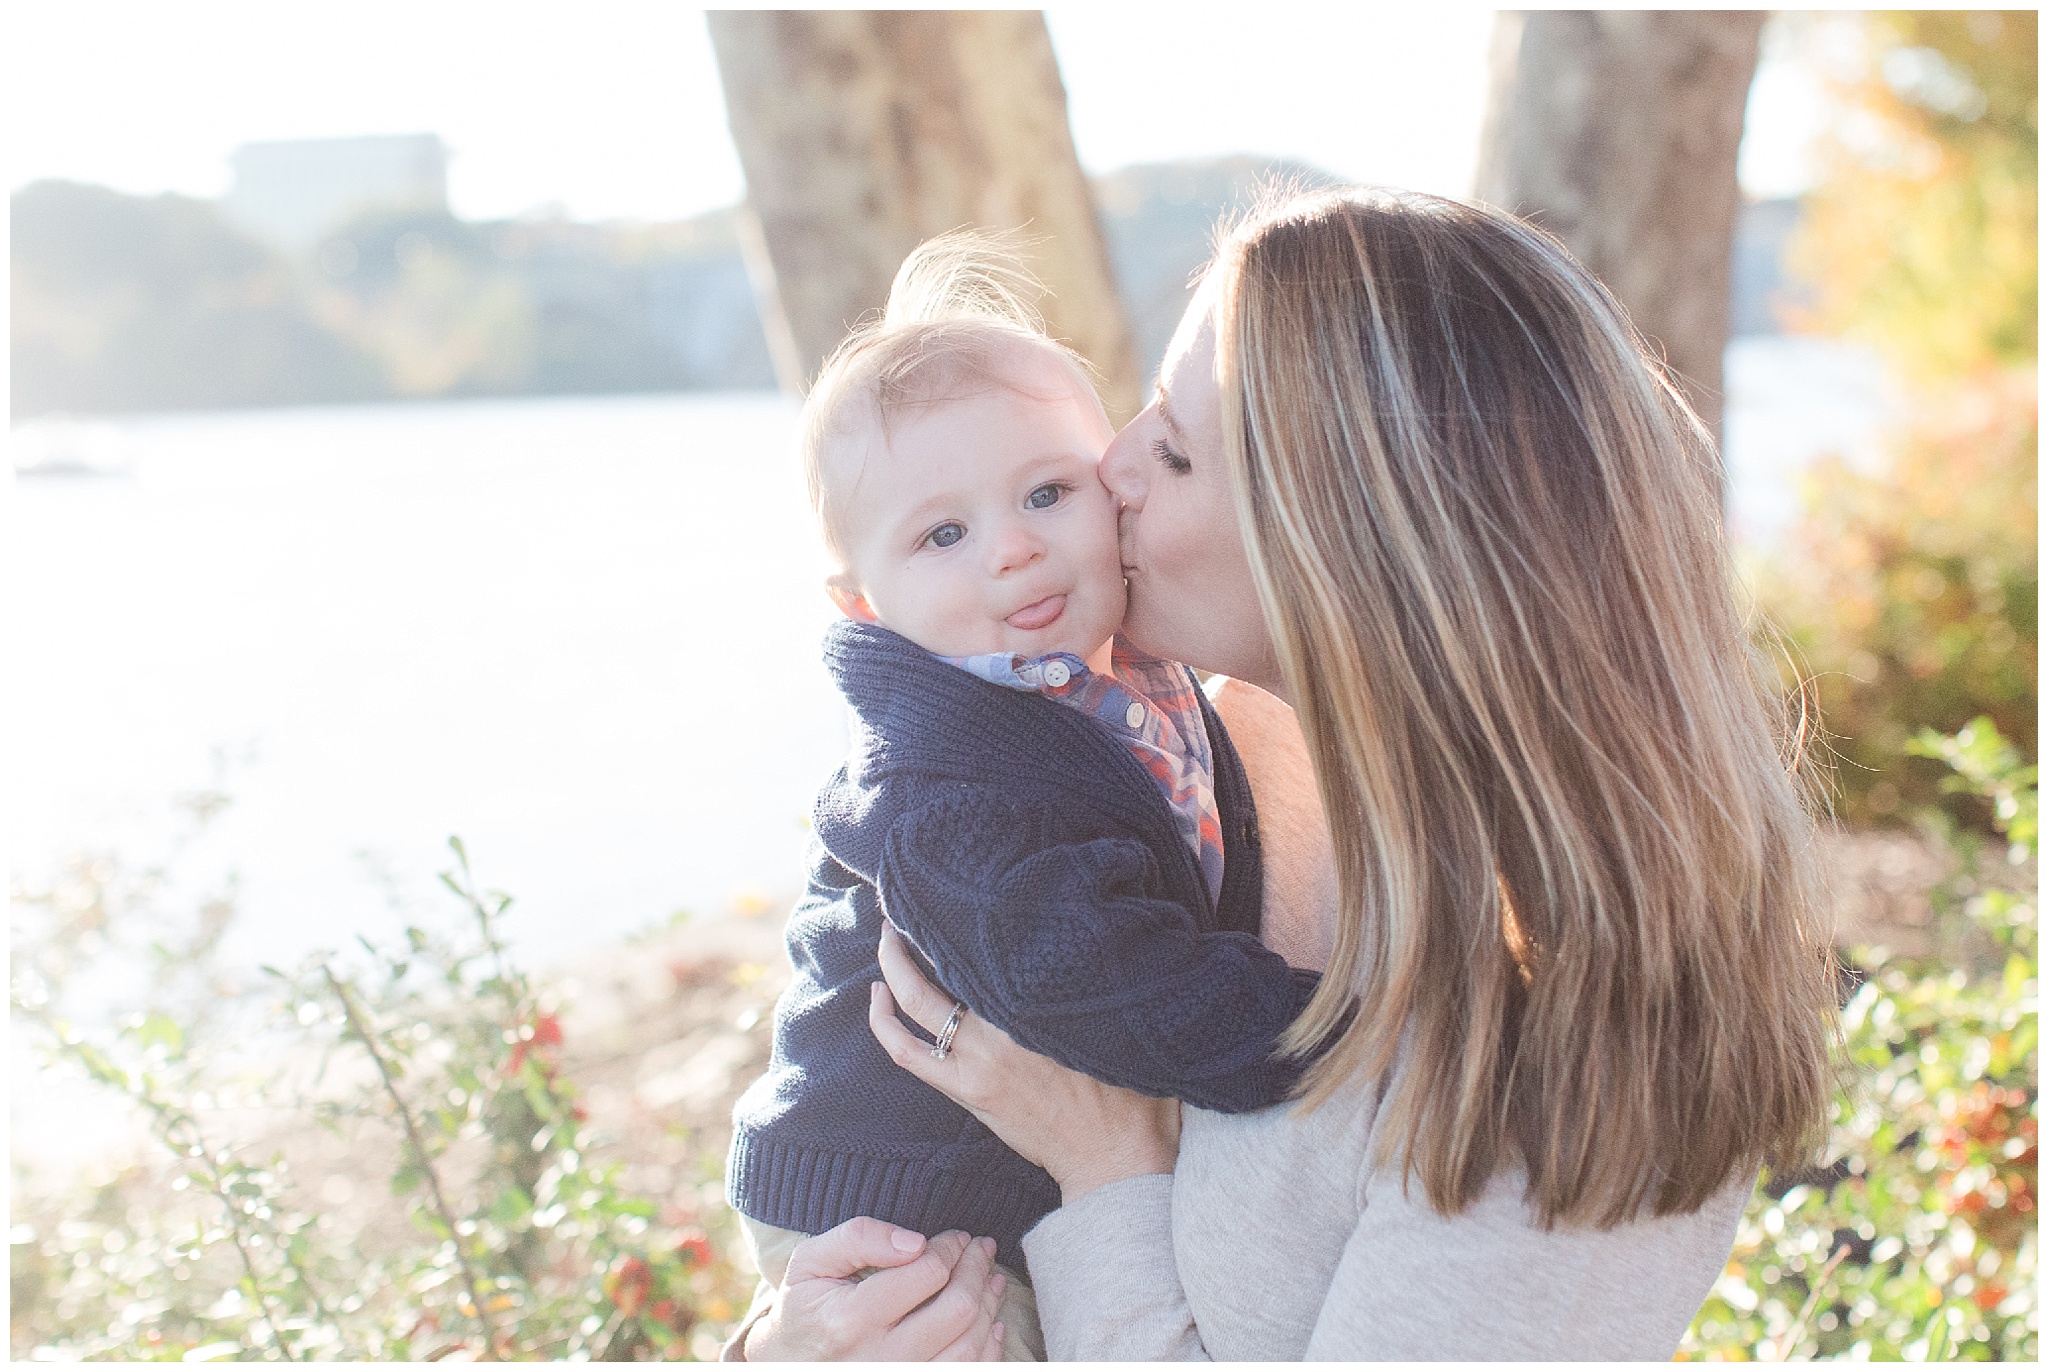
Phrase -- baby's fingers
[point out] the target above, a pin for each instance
(992, 1345)
(972, 1346)
(953, 1323)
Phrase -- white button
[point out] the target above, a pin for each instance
(1057, 673)
(1135, 716)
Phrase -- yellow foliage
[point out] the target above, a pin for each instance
(1911, 591)
(1921, 236)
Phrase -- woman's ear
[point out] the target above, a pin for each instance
(847, 596)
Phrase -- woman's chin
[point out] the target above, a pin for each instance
(1143, 631)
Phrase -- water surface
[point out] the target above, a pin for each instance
(581, 633)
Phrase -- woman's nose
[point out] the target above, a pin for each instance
(1123, 467)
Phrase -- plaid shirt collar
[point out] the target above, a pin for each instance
(1153, 706)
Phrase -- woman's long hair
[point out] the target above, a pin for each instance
(1580, 928)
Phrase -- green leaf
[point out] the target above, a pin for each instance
(511, 1206)
(157, 1029)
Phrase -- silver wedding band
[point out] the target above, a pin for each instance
(944, 1045)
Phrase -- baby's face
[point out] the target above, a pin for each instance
(980, 526)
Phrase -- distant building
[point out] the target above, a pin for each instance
(292, 193)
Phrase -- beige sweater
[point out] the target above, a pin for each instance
(1273, 1239)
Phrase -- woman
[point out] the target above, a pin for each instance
(1410, 471)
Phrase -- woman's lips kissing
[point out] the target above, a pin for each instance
(1038, 613)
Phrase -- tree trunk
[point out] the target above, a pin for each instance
(1617, 131)
(864, 132)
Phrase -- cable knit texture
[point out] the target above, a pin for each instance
(1038, 871)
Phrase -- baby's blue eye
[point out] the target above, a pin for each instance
(1046, 496)
(946, 535)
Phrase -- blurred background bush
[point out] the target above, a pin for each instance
(1909, 589)
(1912, 590)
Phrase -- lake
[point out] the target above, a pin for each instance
(581, 633)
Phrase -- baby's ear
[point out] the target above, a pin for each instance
(846, 595)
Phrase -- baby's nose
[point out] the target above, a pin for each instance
(1014, 548)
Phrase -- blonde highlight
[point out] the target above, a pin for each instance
(1581, 930)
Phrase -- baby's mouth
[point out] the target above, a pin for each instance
(1038, 613)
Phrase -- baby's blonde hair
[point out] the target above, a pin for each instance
(960, 308)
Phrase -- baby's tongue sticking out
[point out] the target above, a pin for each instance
(1039, 614)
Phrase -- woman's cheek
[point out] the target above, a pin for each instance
(1164, 534)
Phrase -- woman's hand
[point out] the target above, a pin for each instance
(933, 1301)
(1085, 1133)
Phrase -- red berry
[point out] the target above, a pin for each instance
(627, 1285)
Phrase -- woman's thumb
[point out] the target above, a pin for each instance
(845, 1250)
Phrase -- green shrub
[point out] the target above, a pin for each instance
(1911, 595)
(1917, 1237)
(442, 1057)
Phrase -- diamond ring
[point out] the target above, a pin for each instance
(944, 1044)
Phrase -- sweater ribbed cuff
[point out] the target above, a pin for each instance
(811, 1189)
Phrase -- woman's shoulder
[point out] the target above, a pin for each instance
(1300, 868)
(1260, 723)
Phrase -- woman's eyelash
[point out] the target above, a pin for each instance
(1175, 463)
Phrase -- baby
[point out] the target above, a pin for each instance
(1056, 823)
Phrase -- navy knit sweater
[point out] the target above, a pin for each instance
(1036, 868)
